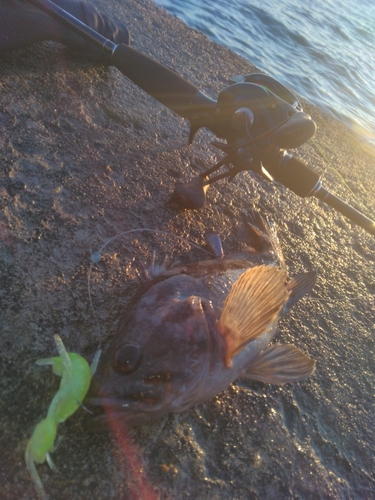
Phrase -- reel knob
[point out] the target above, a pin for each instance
(192, 194)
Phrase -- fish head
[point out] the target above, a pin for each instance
(160, 356)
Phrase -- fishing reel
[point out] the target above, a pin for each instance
(256, 115)
(260, 119)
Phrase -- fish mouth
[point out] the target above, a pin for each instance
(144, 398)
(105, 411)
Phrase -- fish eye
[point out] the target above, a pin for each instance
(127, 358)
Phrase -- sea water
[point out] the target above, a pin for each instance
(323, 49)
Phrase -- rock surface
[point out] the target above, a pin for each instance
(86, 156)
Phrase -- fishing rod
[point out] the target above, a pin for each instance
(258, 118)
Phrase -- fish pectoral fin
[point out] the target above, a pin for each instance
(251, 308)
(299, 286)
(280, 364)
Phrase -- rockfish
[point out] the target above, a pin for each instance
(192, 330)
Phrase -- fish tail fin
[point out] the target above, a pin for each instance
(280, 364)
(251, 308)
(262, 235)
(299, 286)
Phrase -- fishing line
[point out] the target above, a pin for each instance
(330, 166)
(341, 177)
(96, 256)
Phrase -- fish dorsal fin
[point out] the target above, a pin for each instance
(251, 307)
(299, 286)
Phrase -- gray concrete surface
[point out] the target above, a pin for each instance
(86, 155)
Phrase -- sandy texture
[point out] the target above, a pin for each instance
(86, 155)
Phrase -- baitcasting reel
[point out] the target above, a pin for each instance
(259, 118)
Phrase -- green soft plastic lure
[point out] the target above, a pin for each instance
(75, 375)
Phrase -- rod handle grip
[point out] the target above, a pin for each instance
(161, 82)
(293, 173)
